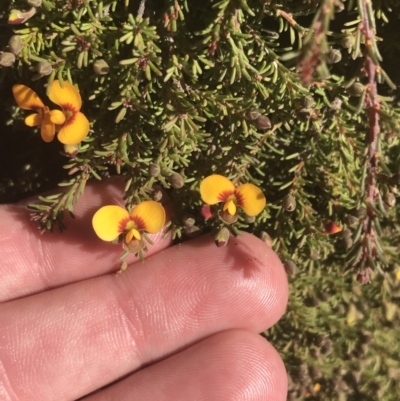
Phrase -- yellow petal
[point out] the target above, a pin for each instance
(57, 117)
(149, 216)
(250, 198)
(231, 207)
(33, 120)
(74, 130)
(216, 188)
(47, 128)
(133, 233)
(26, 98)
(67, 96)
(109, 221)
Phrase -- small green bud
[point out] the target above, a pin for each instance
(290, 267)
(188, 220)
(336, 105)
(71, 150)
(249, 219)
(356, 90)
(154, 170)
(347, 41)
(222, 237)
(7, 59)
(176, 180)
(44, 68)
(100, 67)
(308, 102)
(265, 237)
(262, 123)
(192, 232)
(15, 44)
(333, 56)
(315, 254)
(289, 203)
(252, 114)
(348, 242)
(35, 3)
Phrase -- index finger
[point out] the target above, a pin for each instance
(34, 262)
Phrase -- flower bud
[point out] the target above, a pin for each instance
(390, 199)
(360, 212)
(265, 237)
(249, 219)
(333, 56)
(262, 123)
(356, 90)
(7, 59)
(44, 68)
(290, 267)
(192, 232)
(289, 203)
(157, 195)
(347, 41)
(206, 211)
(71, 150)
(332, 228)
(308, 102)
(222, 238)
(154, 170)
(315, 254)
(15, 44)
(252, 114)
(336, 105)
(17, 17)
(35, 3)
(227, 218)
(188, 220)
(351, 220)
(346, 233)
(176, 180)
(100, 67)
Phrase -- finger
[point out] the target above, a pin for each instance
(32, 262)
(233, 365)
(77, 338)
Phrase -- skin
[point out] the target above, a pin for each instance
(181, 326)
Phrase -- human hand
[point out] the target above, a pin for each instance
(181, 326)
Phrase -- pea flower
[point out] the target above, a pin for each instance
(112, 220)
(217, 188)
(47, 119)
(76, 125)
(72, 124)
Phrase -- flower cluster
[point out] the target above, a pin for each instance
(71, 124)
(110, 222)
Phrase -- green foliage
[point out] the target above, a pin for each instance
(293, 96)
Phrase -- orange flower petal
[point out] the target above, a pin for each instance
(250, 198)
(215, 188)
(107, 220)
(47, 129)
(74, 130)
(149, 216)
(26, 98)
(33, 120)
(57, 117)
(67, 96)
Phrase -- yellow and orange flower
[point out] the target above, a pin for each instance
(111, 221)
(217, 188)
(73, 125)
